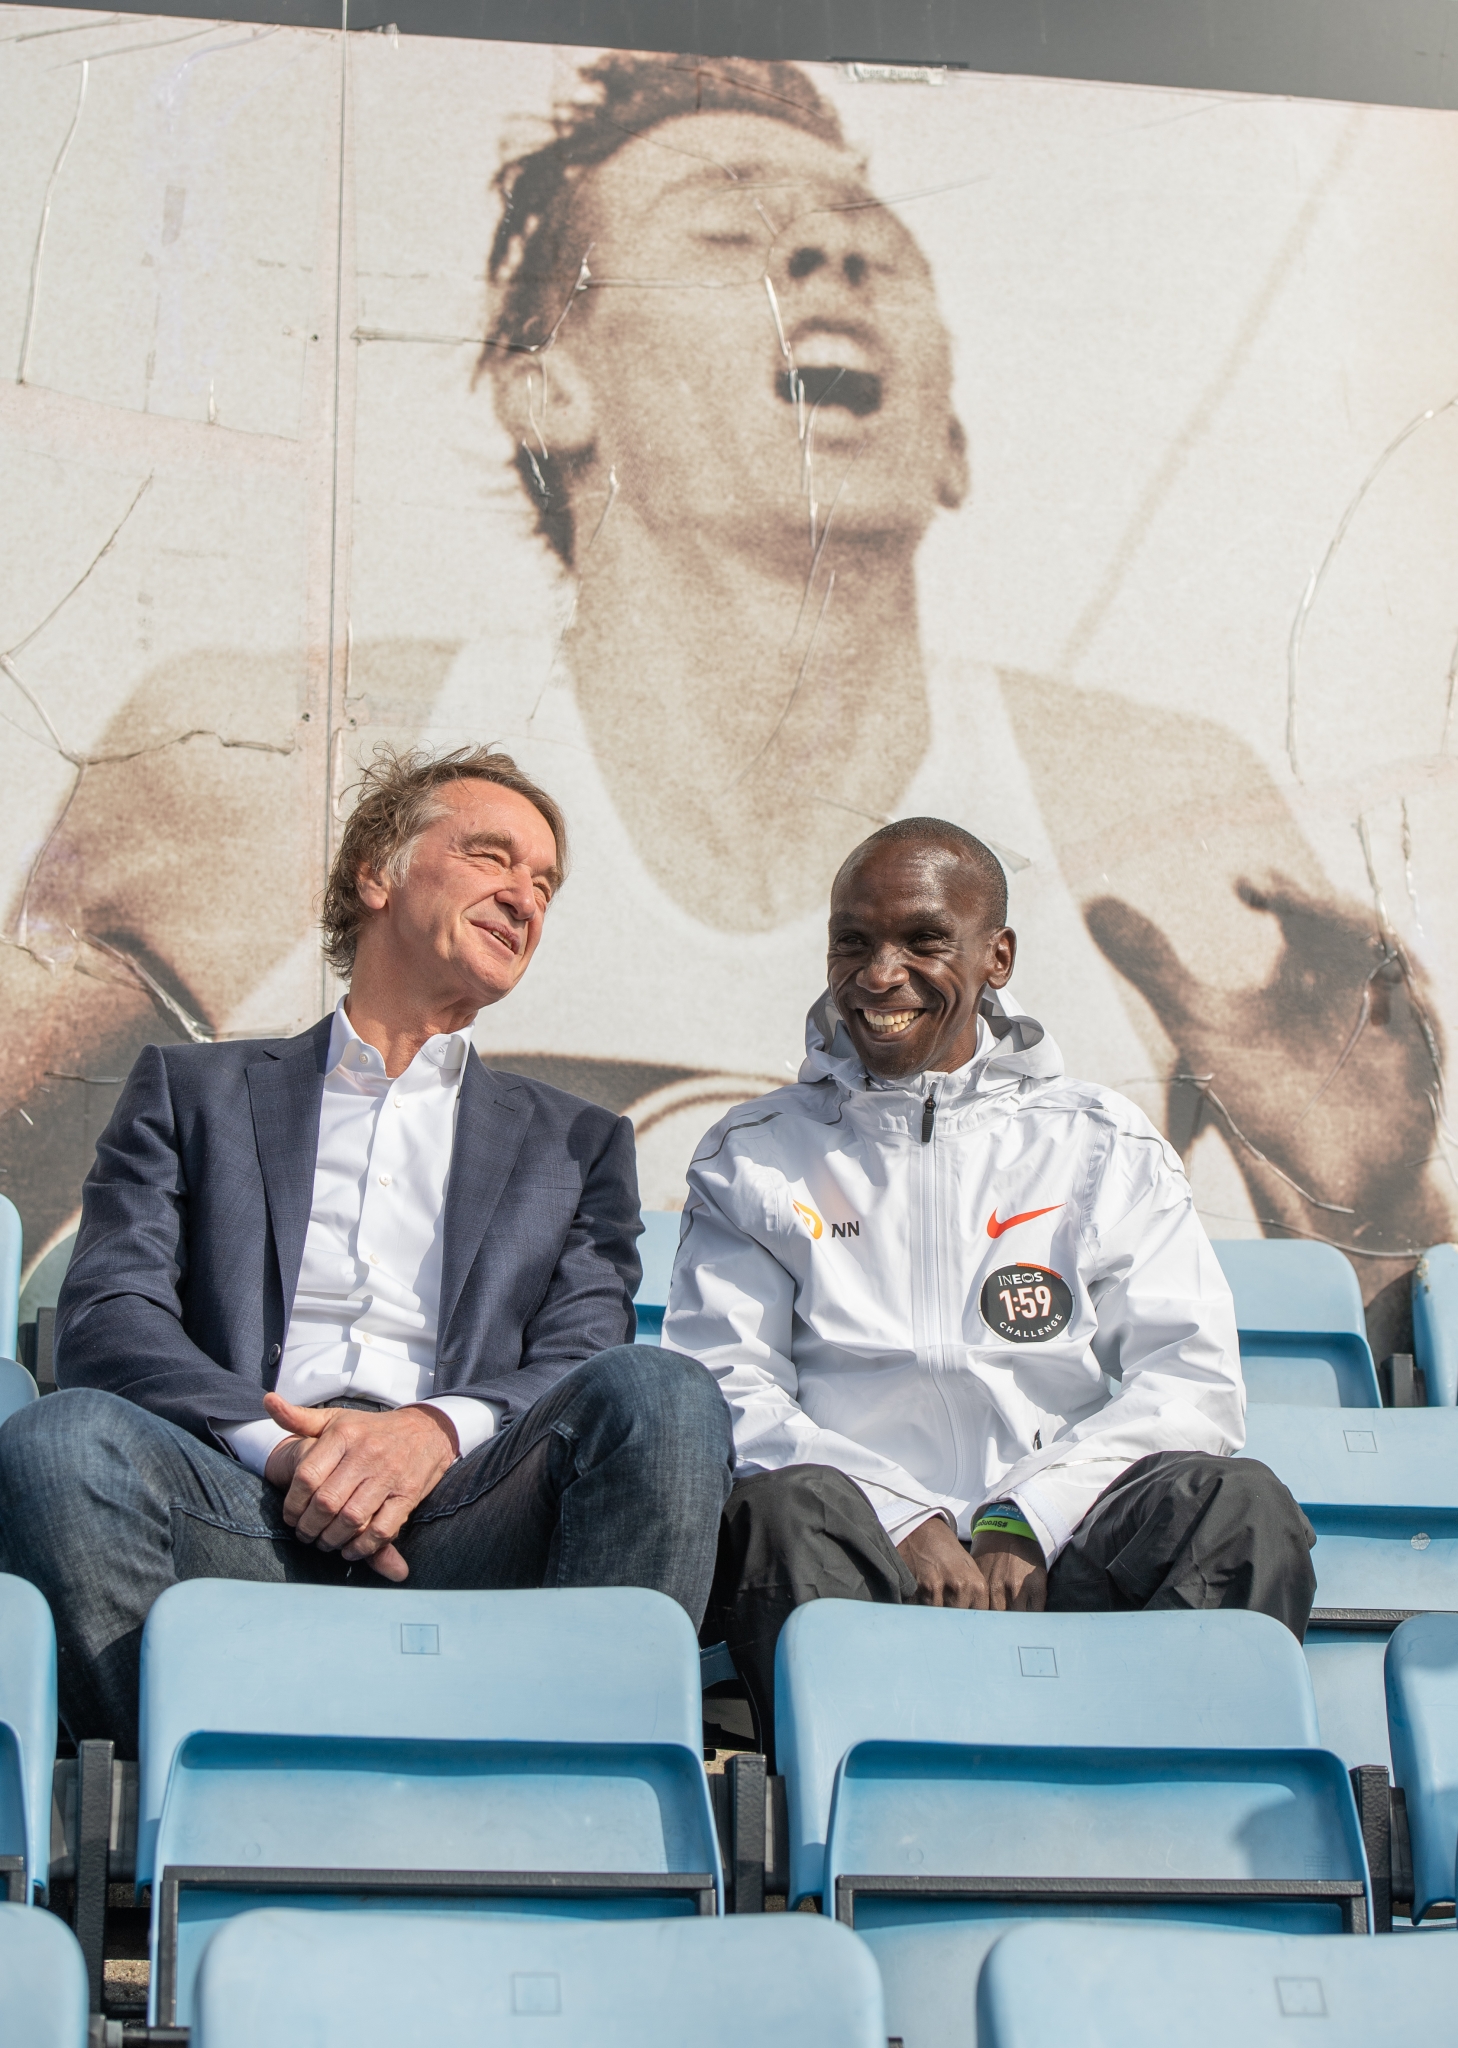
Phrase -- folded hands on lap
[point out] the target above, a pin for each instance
(351, 1480)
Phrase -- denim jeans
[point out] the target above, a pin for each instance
(617, 1477)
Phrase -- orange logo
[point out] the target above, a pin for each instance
(809, 1218)
(995, 1229)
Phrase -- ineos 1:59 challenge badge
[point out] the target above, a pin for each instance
(1026, 1304)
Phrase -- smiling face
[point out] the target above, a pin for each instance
(912, 946)
(757, 327)
(459, 927)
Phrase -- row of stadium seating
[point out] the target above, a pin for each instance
(949, 1776)
(535, 1755)
(289, 1980)
(1381, 1489)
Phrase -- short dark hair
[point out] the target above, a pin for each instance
(398, 798)
(536, 257)
(940, 835)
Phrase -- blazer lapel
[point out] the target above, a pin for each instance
(285, 1094)
(491, 1127)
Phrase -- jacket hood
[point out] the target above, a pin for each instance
(1020, 1048)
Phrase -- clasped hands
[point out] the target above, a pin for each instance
(351, 1480)
(1004, 1573)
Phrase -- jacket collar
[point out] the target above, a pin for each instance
(492, 1120)
(285, 1089)
(1010, 1047)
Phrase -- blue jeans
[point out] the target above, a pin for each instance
(617, 1477)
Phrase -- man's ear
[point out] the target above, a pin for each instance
(544, 401)
(954, 477)
(371, 889)
(1004, 952)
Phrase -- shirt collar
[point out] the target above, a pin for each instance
(348, 1051)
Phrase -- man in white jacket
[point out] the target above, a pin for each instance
(977, 1347)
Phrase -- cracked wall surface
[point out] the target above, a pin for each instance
(758, 453)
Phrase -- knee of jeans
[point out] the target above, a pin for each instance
(664, 1390)
(48, 1436)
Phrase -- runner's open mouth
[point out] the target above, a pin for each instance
(859, 391)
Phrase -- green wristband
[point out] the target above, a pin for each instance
(1000, 1521)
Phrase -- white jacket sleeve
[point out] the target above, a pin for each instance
(1166, 1333)
(731, 1306)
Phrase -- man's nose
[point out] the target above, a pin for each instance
(885, 969)
(811, 257)
(518, 892)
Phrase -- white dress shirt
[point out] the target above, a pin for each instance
(366, 1309)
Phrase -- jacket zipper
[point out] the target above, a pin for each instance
(933, 1264)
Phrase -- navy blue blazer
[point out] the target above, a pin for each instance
(193, 1220)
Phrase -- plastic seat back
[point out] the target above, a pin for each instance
(291, 1979)
(1381, 1492)
(10, 1245)
(936, 1849)
(1422, 1712)
(44, 1994)
(1435, 1323)
(491, 1747)
(27, 1737)
(1084, 1987)
(17, 1388)
(848, 1673)
(1303, 1332)
(657, 1248)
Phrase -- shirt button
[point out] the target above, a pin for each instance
(374, 1258)
(364, 1336)
(384, 1180)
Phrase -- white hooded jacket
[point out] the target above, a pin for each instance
(1018, 1307)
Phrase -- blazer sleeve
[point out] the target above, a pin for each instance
(119, 1315)
(588, 1305)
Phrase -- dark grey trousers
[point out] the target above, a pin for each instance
(1179, 1529)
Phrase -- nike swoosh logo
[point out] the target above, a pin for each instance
(995, 1229)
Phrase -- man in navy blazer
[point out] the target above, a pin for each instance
(351, 1303)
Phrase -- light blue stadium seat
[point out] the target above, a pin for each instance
(1422, 1710)
(1435, 1323)
(295, 1981)
(1087, 1987)
(1303, 1333)
(987, 1752)
(17, 1388)
(27, 1738)
(10, 1241)
(1381, 1491)
(657, 1248)
(524, 1751)
(43, 1990)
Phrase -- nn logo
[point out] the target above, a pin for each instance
(845, 1229)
